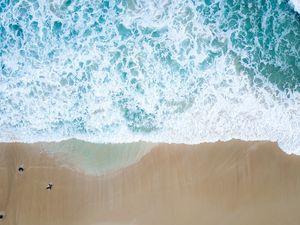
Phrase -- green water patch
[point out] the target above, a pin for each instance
(137, 118)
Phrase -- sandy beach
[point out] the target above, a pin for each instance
(232, 183)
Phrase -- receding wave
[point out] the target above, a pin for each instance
(161, 71)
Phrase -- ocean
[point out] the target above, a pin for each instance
(181, 71)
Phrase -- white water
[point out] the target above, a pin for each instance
(296, 5)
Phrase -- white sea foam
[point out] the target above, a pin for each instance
(296, 5)
(227, 107)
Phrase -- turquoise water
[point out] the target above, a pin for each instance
(172, 71)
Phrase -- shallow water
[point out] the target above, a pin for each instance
(95, 159)
(162, 71)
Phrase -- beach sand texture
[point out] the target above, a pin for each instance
(232, 183)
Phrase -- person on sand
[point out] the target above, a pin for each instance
(21, 168)
(49, 187)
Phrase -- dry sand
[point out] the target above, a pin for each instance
(233, 183)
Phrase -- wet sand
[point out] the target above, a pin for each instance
(234, 183)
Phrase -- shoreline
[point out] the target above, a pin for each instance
(289, 151)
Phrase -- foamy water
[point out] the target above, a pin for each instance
(159, 71)
(296, 5)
